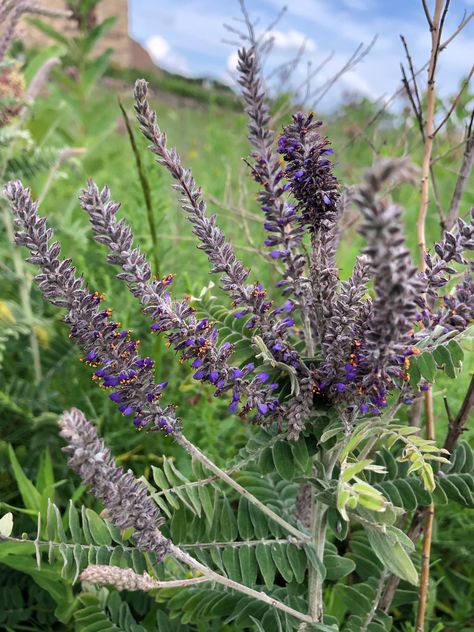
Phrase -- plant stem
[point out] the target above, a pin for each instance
(145, 188)
(194, 452)
(428, 131)
(315, 582)
(435, 24)
(211, 575)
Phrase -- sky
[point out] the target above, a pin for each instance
(189, 37)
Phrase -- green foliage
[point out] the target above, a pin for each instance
(439, 351)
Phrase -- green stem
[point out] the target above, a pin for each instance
(194, 452)
(316, 580)
(145, 188)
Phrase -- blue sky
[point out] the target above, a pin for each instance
(187, 36)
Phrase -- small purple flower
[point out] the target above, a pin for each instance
(237, 373)
(262, 409)
(197, 363)
(262, 377)
(115, 397)
(199, 375)
(213, 376)
(110, 380)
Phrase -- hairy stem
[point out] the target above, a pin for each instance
(194, 452)
(181, 556)
(315, 582)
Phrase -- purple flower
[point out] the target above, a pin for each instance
(262, 377)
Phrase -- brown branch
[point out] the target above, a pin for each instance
(466, 166)
(436, 30)
(400, 90)
(458, 425)
(427, 13)
(413, 104)
(416, 101)
(455, 101)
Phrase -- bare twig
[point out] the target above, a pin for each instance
(458, 425)
(415, 95)
(399, 91)
(455, 101)
(356, 57)
(466, 166)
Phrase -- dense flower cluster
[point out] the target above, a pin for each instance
(109, 349)
(251, 299)
(309, 171)
(285, 234)
(125, 498)
(195, 338)
(354, 348)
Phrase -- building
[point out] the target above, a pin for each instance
(127, 52)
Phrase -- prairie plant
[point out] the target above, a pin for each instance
(328, 363)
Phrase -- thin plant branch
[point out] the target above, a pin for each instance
(447, 116)
(211, 575)
(194, 452)
(145, 188)
(466, 167)
(458, 425)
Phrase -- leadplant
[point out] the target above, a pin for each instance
(329, 364)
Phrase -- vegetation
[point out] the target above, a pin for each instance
(75, 129)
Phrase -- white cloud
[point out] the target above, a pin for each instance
(161, 53)
(290, 41)
(354, 81)
(232, 62)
